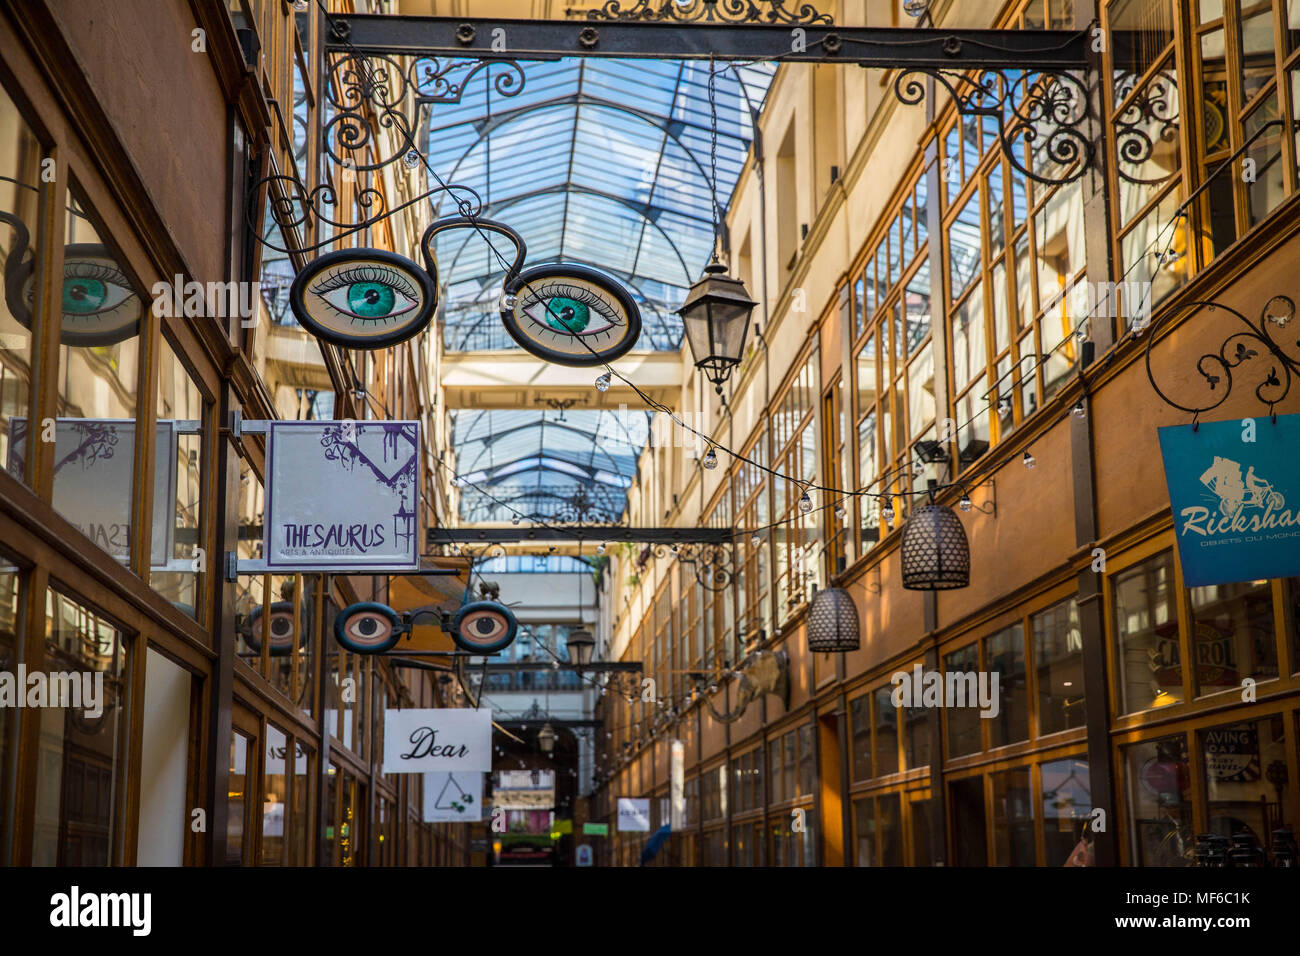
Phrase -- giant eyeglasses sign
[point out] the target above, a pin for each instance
(342, 496)
(371, 299)
(1235, 492)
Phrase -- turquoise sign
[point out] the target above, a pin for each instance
(1235, 491)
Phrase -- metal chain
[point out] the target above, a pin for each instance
(713, 155)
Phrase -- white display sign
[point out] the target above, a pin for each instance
(342, 496)
(93, 461)
(677, 786)
(451, 739)
(453, 797)
(633, 815)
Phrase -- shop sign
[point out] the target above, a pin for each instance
(595, 829)
(633, 815)
(449, 739)
(93, 462)
(1232, 754)
(453, 797)
(342, 496)
(273, 758)
(1235, 491)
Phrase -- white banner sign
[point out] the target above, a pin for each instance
(342, 496)
(453, 797)
(451, 739)
(633, 815)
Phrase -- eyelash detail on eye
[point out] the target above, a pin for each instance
(557, 289)
(94, 270)
(347, 276)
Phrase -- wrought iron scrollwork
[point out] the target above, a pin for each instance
(369, 91)
(713, 11)
(291, 205)
(1240, 346)
(1042, 108)
(360, 85)
(443, 80)
(711, 563)
(581, 508)
(1150, 118)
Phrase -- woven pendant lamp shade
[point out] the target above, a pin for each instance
(935, 552)
(833, 622)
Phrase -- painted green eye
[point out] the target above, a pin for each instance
(565, 314)
(83, 295)
(363, 298)
(91, 287)
(571, 315)
(371, 300)
(368, 293)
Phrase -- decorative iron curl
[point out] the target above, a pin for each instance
(438, 80)
(710, 562)
(291, 205)
(712, 11)
(1046, 105)
(1156, 106)
(361, 84)
(1216, 367)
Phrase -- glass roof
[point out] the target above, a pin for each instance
(604, 163)
(600, 162)
(556, 466)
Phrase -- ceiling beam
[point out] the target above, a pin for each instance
(880, 47)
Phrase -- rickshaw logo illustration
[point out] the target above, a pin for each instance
(1235, 493)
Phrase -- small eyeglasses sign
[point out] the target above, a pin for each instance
(1234, 487)
(633, 815)
(438, 739)
(343, 496)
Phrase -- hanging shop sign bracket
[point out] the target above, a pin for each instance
(881, 47)
(591, 532)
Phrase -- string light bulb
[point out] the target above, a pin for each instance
(602, 383)
(839, 511)
(1079, 411)
(600, 548)
(1029, 460)
(710, 460)
(515, 520)
(964, 504)
(805, 503)
(411, 159)
(756, 539)
(887, 511)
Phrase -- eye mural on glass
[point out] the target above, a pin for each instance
(363, 298)
(570, 315)
(99, 304)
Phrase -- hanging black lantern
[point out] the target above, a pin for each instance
(833, 623)
(716, 317)
(935, 552)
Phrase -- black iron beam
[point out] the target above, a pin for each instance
(883, 47)
(585, 533)
(497, 667)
